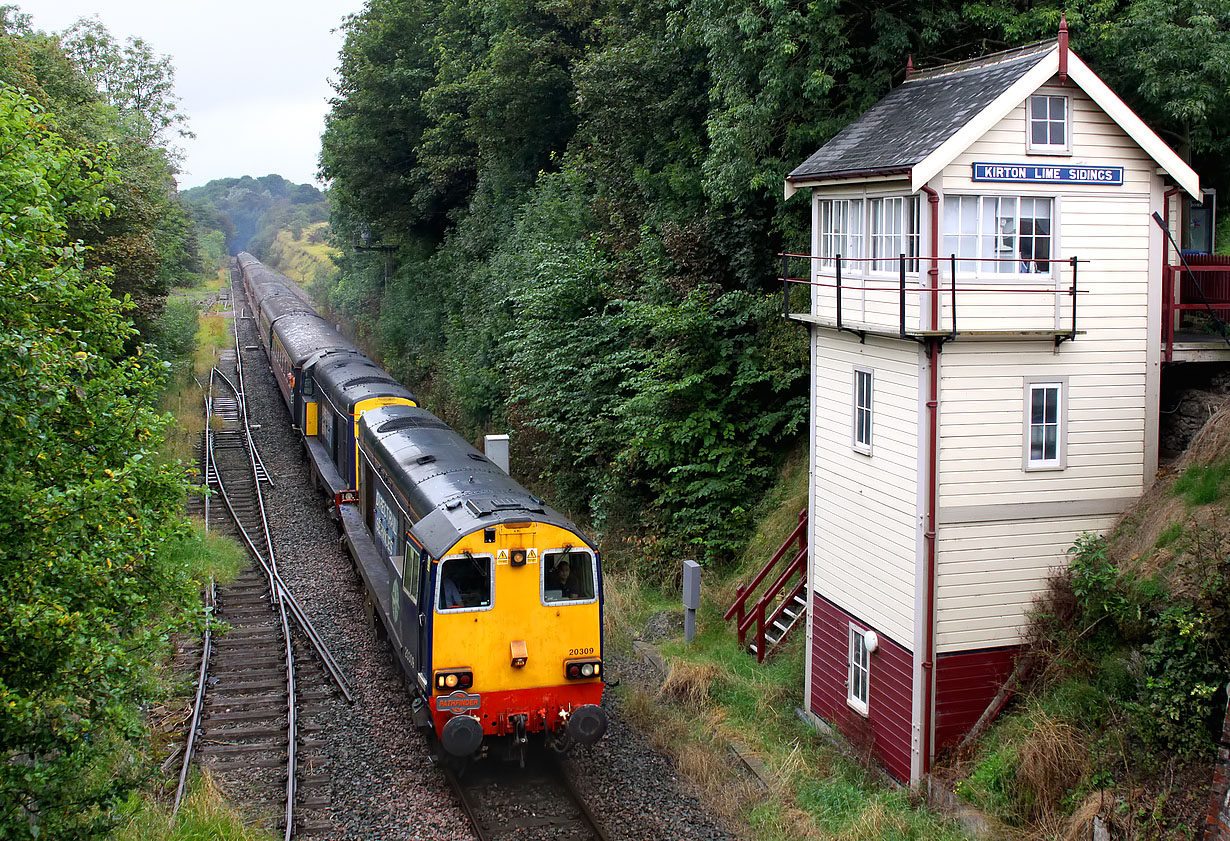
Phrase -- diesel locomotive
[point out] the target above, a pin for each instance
(490, 599)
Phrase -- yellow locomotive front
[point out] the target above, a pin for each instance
(516, 639)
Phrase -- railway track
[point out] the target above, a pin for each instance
(260, 683)
(538, 801)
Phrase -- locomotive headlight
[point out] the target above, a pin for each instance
(454, 679)
(579, 669)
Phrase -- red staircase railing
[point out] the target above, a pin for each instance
(795, 550)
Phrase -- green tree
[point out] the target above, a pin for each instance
(89, 594)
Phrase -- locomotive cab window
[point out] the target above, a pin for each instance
(464, 583)
(568, 576)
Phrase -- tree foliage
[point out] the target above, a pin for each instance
(248, 212)
(90, 235)
(87, 508)
(102, 93)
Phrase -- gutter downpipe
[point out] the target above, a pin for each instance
(933, 347)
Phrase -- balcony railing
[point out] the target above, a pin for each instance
(1195, 302)
(847, 294)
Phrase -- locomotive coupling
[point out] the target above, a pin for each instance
(587, 724)
(462, 735)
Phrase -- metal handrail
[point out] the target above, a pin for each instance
(746, 591)
(901, 286)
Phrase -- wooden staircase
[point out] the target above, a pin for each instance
(782, 604)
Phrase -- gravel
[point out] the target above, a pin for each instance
(383, 784)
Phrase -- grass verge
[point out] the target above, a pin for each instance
(715, 694)
(204, 816)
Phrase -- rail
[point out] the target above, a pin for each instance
(252, 524)
(770, 604)
(500, 802)
(198, 703)
(915, 300)
(296, 610)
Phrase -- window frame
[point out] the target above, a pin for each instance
(1048, 148)
(1060, 461)
(856, 407)
(542, 576)
(973, 266)
(858, 663)
(893, 228)
(850, 244)
(439, 584)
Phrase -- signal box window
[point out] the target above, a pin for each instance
(1048, 124)
(1044, 426)
(862, 411)
(568, 577)
(464, 583)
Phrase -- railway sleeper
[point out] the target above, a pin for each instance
(207, 749)
(224, 716)
(248, 689)
(243, 634)
(245, 764)
(235, 733)
(243, 658)
(249, 677)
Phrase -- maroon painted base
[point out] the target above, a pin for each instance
(885, 730)
(965, 684)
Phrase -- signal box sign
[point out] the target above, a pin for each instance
(1109, 176)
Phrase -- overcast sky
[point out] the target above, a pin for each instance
(252, 75)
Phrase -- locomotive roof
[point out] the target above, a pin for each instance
(348, 377)
(449, 488)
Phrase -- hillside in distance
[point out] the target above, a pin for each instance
(246, 214)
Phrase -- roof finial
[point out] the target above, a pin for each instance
(1063, 49)
(909, 65)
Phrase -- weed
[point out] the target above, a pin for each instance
(688, 683)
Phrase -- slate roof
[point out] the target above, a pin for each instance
(916, 117)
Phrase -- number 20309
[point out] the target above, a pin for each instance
(579, 652)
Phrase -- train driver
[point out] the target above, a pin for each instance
(561, 579)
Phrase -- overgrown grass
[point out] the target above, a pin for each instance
(208, 554)
(715, 693)
(1119, 721)
(1204, 484)
(204, 816)
(183, 396)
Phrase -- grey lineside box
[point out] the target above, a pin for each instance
(691, 598)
